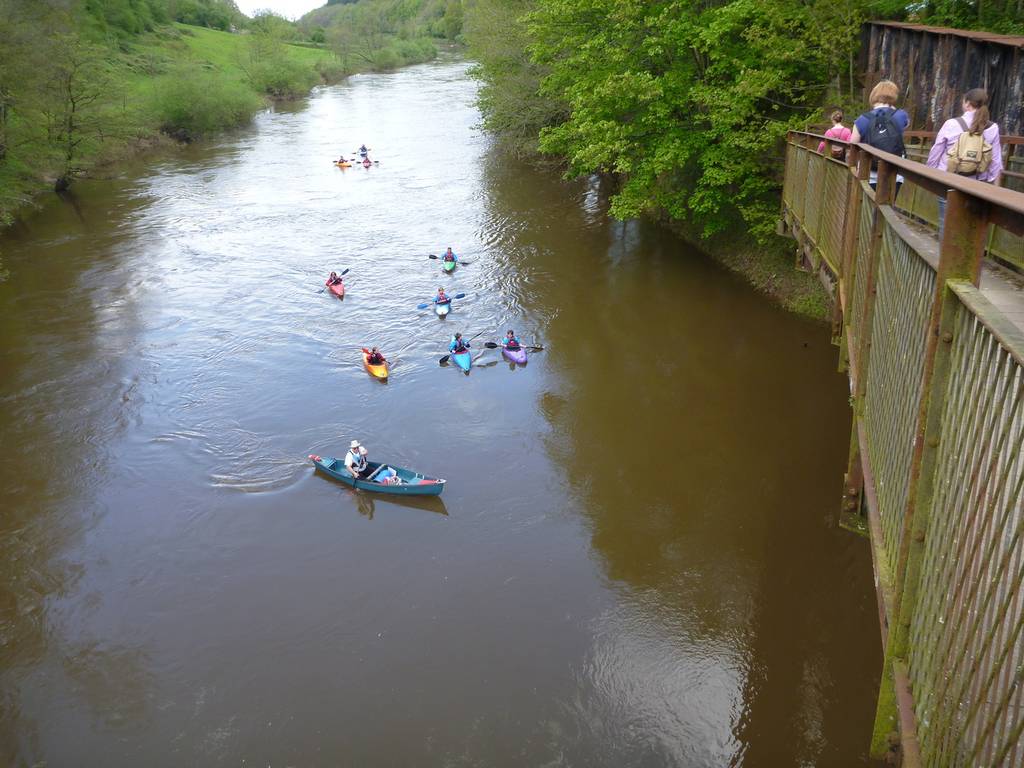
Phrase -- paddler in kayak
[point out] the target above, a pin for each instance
(458, 345)
(334, 279)
(511, 341)
(449, 255)
(363, 150)
(376, 357)
(442, 297)
(355, 460)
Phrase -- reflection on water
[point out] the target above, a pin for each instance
(634, 562)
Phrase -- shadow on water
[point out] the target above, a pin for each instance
(68, 310)
(704, 434)
(367, 503)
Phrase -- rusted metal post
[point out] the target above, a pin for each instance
(962, 248)
(883, 196)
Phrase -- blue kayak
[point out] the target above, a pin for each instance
(408, 483)
(463, 359)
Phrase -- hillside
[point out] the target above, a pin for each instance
(394, 20)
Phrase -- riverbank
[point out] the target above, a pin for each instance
(178, 83)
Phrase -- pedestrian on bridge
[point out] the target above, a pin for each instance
(882, 126)
(968, 146)
(837, 131)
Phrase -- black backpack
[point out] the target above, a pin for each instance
(883, 132)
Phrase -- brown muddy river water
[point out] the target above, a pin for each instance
(635, 561)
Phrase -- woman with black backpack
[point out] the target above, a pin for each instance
(968, 146)
(882, 127)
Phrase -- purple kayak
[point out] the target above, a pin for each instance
(515, 355)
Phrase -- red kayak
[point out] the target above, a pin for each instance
(338, 289)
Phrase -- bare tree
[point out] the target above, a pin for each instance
(77, 88)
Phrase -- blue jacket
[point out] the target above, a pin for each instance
(455, 344)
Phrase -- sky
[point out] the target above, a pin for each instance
(291, 9)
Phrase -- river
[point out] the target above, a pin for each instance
(635, 561)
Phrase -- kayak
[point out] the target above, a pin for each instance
(377, 371)
(409, 483)
(443, 308)
(343, 165)
(448, 266)
(463, 359)
(338, 289)
(515, 355)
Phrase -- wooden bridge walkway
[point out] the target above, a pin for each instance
(932, 336)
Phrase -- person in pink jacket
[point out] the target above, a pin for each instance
(837, 131)
(976, 117)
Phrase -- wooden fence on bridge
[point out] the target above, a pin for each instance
(932, 335)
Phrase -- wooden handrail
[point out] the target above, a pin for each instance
(1006, 207)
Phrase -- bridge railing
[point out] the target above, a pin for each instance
(936, 363)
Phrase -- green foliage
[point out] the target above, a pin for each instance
(127, 17)
(385, 20)
(1006, 16)
(192, 102)
(510, 97)
(214, 14)
(685, 101)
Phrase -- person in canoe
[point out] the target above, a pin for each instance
(442, 297)
(334, 279)
(458, 345)
(376, 357)
(355, 460)
(511, 341)
(449, 255)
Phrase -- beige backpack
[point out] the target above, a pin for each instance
(970, 153)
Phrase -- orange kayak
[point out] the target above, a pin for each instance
(377, 371)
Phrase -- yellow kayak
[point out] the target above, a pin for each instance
(377, 371)
(342, 165)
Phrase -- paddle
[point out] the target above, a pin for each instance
(427, 304)
(435, 256)
(343, 272)
(493, 345)
(444, 359)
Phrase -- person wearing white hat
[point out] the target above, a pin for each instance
(355, 460)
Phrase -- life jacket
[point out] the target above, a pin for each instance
(460, 346)
(442, 299)
(333, 280)
(359, 461)
(449, 257)
(512, 343)
(376, 359)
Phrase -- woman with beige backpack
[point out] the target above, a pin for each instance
(968, 146)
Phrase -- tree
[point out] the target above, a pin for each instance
(76, 93)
